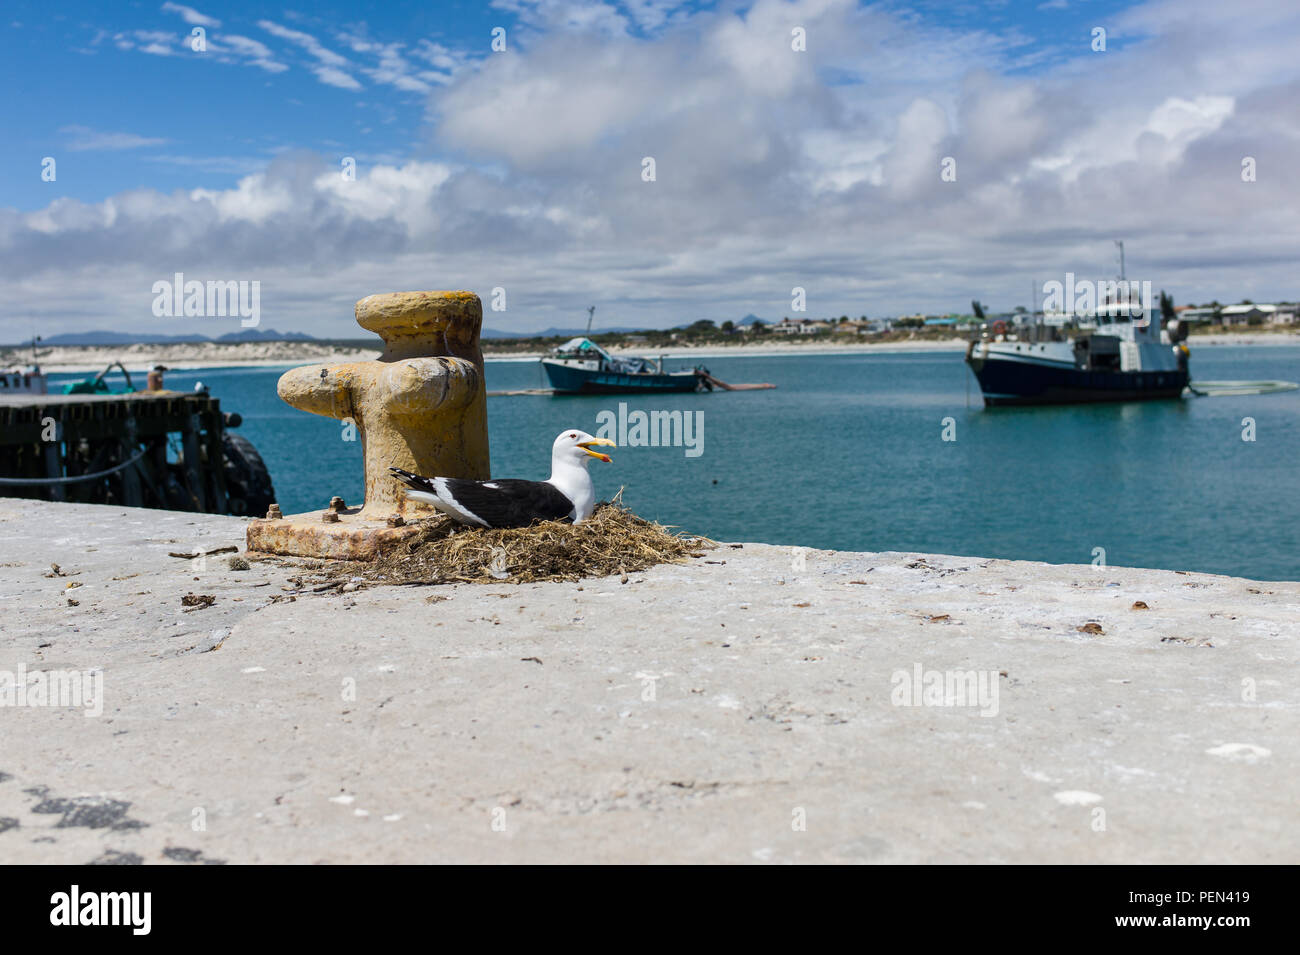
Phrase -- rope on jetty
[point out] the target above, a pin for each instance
(718, 383)
(77, 478)
(1221, 389)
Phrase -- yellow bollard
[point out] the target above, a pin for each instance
(421, 406)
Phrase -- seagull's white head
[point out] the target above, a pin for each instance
(574, 447)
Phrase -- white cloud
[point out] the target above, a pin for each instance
(157, 42)
(245, 49)
(393, 68)
(238, 165)
(85, 139)
(1181, 121)
(435, 54)
(190, 15)
(552, 15)
(333, 67)
(332, 77)
(651, 14)
(306, 41)
(774, 169)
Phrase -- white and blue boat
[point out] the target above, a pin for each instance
(581, 367)
(1111, 354)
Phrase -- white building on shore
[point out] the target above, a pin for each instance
(1252, 313)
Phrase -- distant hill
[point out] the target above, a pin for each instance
(269, 335)
(147, 338)
(600, 330)
(114, 338)
(556, 332)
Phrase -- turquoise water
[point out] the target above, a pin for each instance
(848, 454)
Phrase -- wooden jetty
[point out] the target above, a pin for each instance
(114, 449)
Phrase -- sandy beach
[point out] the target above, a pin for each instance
(183, 356)
(190, 355)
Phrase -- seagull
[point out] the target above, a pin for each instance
(567, 495)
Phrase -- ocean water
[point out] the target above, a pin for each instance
(848, 453)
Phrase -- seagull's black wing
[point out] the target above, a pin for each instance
(510, 503)
(505, 503)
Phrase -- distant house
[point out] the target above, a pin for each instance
(1195, 315)
(856, 326)
(1247, 314)
(804, 326)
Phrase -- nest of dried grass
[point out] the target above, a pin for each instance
(612, 541)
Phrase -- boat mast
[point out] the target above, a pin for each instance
(1123, 283)
(1033, 294)
(591, 313)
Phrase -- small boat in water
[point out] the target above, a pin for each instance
(25, 381)
(1113, 353)
(580, 366)
(20, 381)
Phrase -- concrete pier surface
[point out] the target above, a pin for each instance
(759, 704)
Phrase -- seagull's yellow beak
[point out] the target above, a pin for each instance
(586, 446)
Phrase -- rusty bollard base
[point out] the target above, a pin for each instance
(352, 537)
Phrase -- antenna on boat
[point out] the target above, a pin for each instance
(1033, 308)
(591, 313)
(1120, 243)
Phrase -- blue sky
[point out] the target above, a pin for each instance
(198, 119)
(521, 169)
(158, 115)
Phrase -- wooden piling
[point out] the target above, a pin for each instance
(131, 495)
(52, 452)
(215, 456)
(190, 450)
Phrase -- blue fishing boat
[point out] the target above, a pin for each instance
(581, 367)
(1121, 350)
